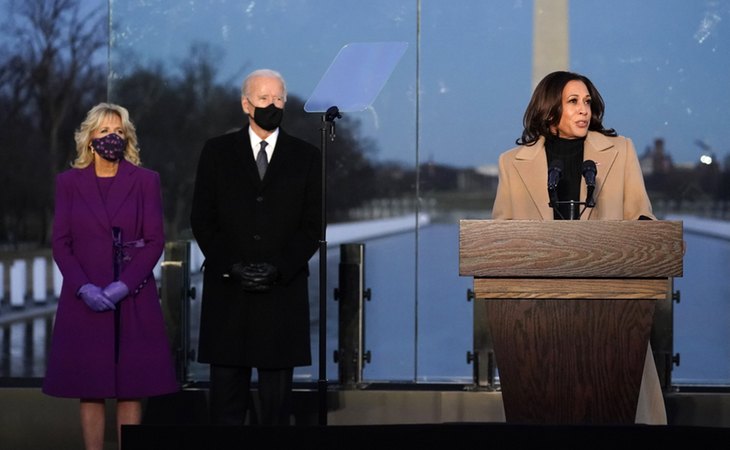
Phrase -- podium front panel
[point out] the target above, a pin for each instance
(570, 361)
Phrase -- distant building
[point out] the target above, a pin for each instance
(655, 159)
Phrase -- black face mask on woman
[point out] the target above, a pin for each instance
(110, 147)
(268, 118)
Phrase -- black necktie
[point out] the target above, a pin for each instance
(261, 161)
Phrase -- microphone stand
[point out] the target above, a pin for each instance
(328, 129)
(574, 205)
(552, 191)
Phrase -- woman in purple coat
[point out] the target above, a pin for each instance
(109, 337)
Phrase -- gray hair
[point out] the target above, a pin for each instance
(269, 73)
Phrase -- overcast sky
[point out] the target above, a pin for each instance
(662, 66)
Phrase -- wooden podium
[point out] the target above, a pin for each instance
(570, 307)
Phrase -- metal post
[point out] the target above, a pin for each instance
(175, 295)
(482, 356)
(662, 336)
(351, 295)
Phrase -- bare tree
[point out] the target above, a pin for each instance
(51, 74)
(174, 113)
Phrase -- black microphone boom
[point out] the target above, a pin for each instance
(589, 173)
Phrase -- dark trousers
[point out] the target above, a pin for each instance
(230, 395)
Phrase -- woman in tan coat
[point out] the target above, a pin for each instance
(563, 129)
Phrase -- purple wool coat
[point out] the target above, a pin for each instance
(91, 356)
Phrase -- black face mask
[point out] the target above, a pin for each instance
(110, 147)
(268, 118)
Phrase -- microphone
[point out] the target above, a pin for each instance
(554, 172)
(589, 173)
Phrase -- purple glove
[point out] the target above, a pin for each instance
(94, 298)
(116, 291)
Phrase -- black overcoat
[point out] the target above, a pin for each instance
(236, 217)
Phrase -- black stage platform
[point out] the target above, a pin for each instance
(439, 436)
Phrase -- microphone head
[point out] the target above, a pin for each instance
(557, 165)
(554, 172)
(589, 166)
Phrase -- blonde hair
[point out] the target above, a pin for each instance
(92, 122)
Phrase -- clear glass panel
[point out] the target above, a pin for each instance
(473, 87)
(427, 148)
(183, 66)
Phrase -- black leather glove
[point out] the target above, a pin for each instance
(236, 272)
(255, 277)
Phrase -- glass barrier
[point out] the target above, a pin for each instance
(402, 172)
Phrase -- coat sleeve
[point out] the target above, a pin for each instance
(62, 241)
(204, 214)
(502, 208)
(636, 200)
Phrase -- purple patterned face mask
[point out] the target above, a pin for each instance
(110, 147)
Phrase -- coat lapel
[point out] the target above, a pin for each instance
(282, 147)
(531, 165)
(601, 150)
(120, 188)
(89, 191)
(242, 158)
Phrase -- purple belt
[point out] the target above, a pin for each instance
(120, 254)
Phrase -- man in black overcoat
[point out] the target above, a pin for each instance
(257, 219)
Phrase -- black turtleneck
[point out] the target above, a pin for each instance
(570, 152)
